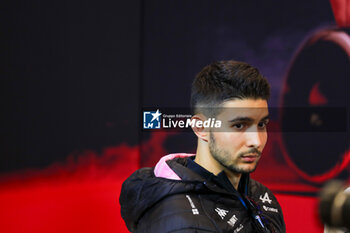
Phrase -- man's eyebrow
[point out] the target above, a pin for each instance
(247, 119)
(265, 118)
(240, 119)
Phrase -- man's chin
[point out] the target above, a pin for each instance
(247, 168)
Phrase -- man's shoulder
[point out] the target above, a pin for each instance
(267, 204)
(262, 194)
(256, 188)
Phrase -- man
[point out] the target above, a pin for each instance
(211, 191)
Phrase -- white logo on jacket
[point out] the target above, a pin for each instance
(265, 198)
(232, 220)
(266, 208)
(238, 229)
(222, 213)
(194, 209)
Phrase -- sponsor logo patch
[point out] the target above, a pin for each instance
(238, 229)
(221, 212)
(232, 221)
(266, 198)
(194, 209)
(266, 208)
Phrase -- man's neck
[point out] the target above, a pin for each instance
(206, 160)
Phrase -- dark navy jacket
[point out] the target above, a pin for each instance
(175, 196)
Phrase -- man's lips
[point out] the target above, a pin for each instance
(250, 157)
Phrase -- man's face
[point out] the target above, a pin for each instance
(238, 146)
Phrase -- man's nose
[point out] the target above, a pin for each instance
(254, 139)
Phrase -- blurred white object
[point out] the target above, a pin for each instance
(328, 229)
(347, 190)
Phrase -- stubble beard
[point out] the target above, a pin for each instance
(224, 158)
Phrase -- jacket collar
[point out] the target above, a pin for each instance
(182, 167)
(163, 170)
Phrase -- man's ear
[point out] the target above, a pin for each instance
(198, 129)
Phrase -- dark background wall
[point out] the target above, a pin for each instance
(74, 74)
(69, 78)
(181, 37)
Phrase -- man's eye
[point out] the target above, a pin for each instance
(262, 125)
(238, 126)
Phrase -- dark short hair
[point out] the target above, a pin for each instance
(225, 80)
